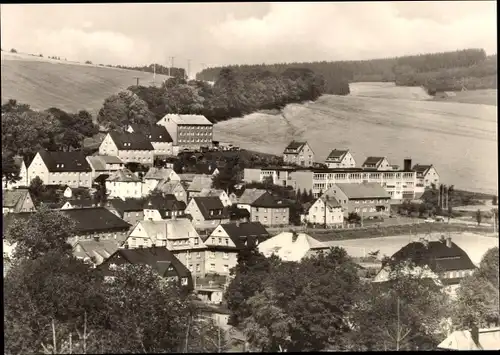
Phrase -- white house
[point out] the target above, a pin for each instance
(426, 175)
(159, 207)
(248, 197)
(104, 164)
(326, 207)
(61, 168)
(129, 147)
(290, 246)
(298, 153)
(124, 184)
(157, 135)
(155, 175)
(226, 201)
(339, 158)
(173, 188)
(377, 163)
(207, 212)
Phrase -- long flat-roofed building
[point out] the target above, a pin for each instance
(188, 131)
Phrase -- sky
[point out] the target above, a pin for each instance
(213, 34)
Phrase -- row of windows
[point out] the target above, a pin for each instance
(194, 133)
(372, 176)
(192, 140)
(276, 210)
(195, 127)
(220, 241)
(212, 268)
(265, 219)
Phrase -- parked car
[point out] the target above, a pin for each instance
(429, 220)
(439, 219)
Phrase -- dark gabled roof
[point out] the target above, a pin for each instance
(269, 201)
(436, 255)
(236, 213)
(127, 205)
(210, 203)
(131, 141)
(373, 160)
(337, 155)
(65, 161)
(159, 258)
(421, 168)
(247, 229)
(154, 133)
(293, 147)
(95, 220)
(163, 204)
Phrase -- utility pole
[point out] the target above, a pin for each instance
(137, 79)
(398, 334)
(171, 65)
(188, 68)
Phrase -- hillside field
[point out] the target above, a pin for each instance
(459, 139)
(43, 83)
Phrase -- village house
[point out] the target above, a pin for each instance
(207, 212)
(160, 259)
(291, 246)
(129, 147)
(95, 251)
(298, 153)
(400, 184)
(270, 211)
(377, 163)
(188, 131)
(199, 183)
(221, 194)
(177, 235)
(61, 168)
(443, 261)
(426, 175)
(248, 197)
(472, 339)
(155, 175)
(157, 135)
(104, 165)
(124, 184)
(326, 210)
(173, 188)
(78, 203)
(131, 210)
(16, 201)
(367, 199)
(20, 168)
(160, 207)
(339, 158)
(226, 240)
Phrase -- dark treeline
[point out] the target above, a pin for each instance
(416, 70)
(160, 69)
(235, 93)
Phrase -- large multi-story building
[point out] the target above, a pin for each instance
(298, 153)
(61, 168)
(188, 131)
(129, 147)
(399, 184)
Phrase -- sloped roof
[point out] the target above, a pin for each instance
(186, 177)
(363, 190)
(158, 173)
(98, 162)
(211, 192)
(337, 155)
(97, 219)
(188, 119)
(130, 141)
(250, 195)
(170, 229)
(81, 202)
(293, 147)
(330, 200)
(168, 187)
(153, 257)
(200, 182)
(269, 201)
(210, 203)
(13, 198)
(65, 161)
(127, 205)
(421, 168)
(163, 204)
(154, 133)
(373, 161)
(205, 168)
(103, 247)
(489, 339)
(123, 175)
(436, 255)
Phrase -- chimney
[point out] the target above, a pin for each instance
(407, 165)
(448, 242)
(474, 332)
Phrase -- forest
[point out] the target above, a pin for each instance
(436, 71)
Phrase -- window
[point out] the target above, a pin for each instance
(184, 281)
(197, 267)
(213, 240)
(220, 240)
(212, 267)
(227, 241)
(198, 255)
(196, 241)
(188, 255)
(226, 255)
(212, 254)
(190, 267)
(226, 268)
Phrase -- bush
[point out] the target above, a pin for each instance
(13, 50)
